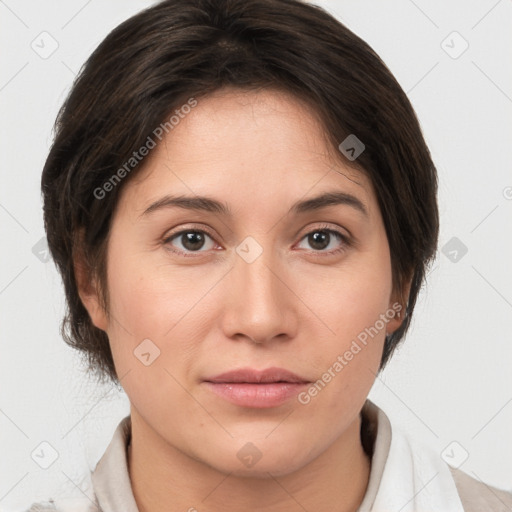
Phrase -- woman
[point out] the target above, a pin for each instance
(243, 209)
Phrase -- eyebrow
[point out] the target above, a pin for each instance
(208, 204)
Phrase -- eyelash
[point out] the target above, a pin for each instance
(346, 242)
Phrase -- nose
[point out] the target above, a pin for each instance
(261, 305)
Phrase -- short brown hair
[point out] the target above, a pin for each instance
(177, 49)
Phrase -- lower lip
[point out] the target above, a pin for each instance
(257, 395)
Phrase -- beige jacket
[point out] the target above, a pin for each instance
(113, 493)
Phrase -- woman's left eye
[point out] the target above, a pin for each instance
(321, 240)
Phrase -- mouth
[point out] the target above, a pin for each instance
(248, 387)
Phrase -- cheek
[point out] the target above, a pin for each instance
(148, 294)
(351, 298)
(353, 306)
(151, 301)
(347, 362)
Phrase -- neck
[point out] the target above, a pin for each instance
(163, 478)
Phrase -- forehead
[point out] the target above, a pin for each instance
(246, 147)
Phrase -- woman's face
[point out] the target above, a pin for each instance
(271, 279)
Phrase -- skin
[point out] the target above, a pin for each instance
(211, 311)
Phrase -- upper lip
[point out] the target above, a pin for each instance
(251, 375)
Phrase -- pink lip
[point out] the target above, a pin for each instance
(257, 388)
(249, 375)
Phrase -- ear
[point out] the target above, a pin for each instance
(398, 304)
(89, 291)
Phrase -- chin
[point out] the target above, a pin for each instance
(260, 470)
(250, 462)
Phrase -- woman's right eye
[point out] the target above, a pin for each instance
(190, 241)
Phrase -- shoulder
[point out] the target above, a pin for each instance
(473, 494)
(476, 496)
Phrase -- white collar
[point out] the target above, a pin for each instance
(404, 476)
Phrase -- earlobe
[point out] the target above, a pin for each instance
(397, 310)
(89, 295)
(398, 305)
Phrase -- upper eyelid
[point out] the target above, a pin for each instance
(323, 227)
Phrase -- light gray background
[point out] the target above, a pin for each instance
(450, 381)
